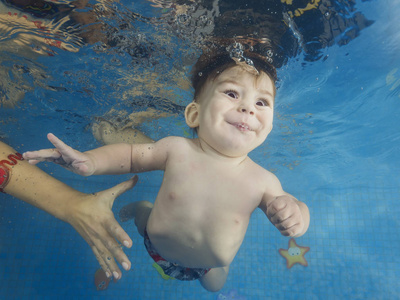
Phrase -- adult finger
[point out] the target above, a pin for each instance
(99, 243)
(108, 196)
(116, 231)
(106, 257)
(101, 261)
(105, 241)
(120, 188)
(113, 226)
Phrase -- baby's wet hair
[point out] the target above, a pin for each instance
(211, 64)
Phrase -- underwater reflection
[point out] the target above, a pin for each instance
(163, 37)
(285, 28)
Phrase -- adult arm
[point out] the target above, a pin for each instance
(89, 214)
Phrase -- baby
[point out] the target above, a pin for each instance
(210, 186)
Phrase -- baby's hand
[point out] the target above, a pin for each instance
(284, 213)
(64, 156)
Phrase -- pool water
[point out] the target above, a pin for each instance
(335, 145)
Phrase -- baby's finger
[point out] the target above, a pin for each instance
(59, 144)
(41, 155)
(274, 207)
(281, 216)
(285, 225)
(290, 227)
(34, 161)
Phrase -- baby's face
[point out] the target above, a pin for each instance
(236, 111)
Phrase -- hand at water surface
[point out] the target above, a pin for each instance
(64, 156)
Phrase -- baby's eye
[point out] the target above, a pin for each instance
(232, 94)
(262, 102)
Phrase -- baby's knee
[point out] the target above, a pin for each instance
(142, 213)
(215, 279)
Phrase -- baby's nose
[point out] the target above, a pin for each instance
(246, 109)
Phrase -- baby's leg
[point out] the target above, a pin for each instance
(107, 134)
(139, 211)
(117, 131)
(215, 279)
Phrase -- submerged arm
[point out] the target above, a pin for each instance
(110, 159)
(289, 215)
(130, 158)
(89, 214)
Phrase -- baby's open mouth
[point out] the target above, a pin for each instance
(242, 126)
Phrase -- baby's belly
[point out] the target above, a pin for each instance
(196, 244)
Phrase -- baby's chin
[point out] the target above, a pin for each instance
(235, 151)
(233, 147)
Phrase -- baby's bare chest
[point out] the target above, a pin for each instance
(202, 185)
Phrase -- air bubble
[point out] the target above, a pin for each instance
(249, 62)
(203, 19)
(182, 18)
(235, 50)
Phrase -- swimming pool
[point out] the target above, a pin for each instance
(335, 145)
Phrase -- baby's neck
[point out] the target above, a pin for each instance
(212, 153)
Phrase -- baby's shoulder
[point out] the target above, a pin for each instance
(175, 140)
(173, 144)
(268, 179)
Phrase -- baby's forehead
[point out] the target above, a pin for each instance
(237, 73)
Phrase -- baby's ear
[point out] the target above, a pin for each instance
(192, 115)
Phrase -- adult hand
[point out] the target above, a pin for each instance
(92, 217)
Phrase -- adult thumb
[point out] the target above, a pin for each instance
(119, 189)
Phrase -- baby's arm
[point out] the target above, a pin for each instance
(289, 215)
(131, 158)
(110, 159)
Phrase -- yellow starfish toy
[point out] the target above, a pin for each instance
(295, 254)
